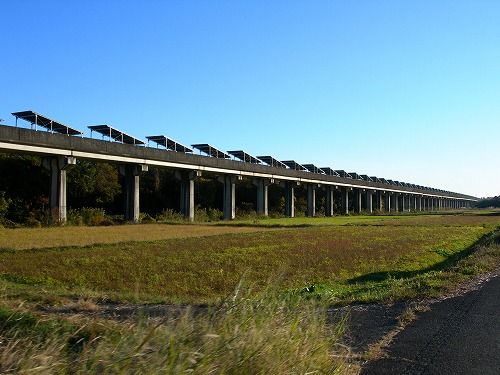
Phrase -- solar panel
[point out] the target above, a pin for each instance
(269, 160)
(292, 164)
(355, 176)
(375, 179)
(211, 151)
(384, 181)
(243, 156)
(330, 172)
(168, 143)
(398, 183)
(37, 119)
(114, 134)
(391, 182)
(312, 168)
(343, 173)
(365, 177)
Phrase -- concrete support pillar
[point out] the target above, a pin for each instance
(187, 180)
(345, 200)
(419, 203)
(357, 200)
(290, 199)
(131, 176)
(431, 204)
(57, 198)
(387, 202)
(369, 201)
(229, 198)
(311, 200)
(262, 196)
(330, 199)
(402, 207)
(378, 200)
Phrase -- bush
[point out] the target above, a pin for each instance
(145, 218)
(207, 214)
(88, 216)
(33, 223)
(168, 215)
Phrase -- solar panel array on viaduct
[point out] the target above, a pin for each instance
(113, 134)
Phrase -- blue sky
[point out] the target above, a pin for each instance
(408, 90)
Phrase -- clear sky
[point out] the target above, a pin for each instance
(408, 90)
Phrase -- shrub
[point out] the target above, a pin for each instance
(146, 218)
(88, 216)
(168, 215)
(207, 214)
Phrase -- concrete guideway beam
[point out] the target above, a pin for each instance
(29, 141)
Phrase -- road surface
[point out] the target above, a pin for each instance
(460, 335)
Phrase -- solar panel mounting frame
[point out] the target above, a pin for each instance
(51, 125)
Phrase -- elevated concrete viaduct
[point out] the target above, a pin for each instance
(60, 151)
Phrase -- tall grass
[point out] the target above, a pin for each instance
(242, 335)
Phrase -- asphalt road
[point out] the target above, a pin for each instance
(459, 335)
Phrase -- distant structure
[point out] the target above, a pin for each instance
(61, 145)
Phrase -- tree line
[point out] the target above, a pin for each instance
(95, 188)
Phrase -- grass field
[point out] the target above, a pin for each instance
(36, 238)
(268, 289)
(202, 264)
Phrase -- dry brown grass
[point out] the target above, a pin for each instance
(37, 238)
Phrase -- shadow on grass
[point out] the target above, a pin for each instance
(263, 225)
(485, 240)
